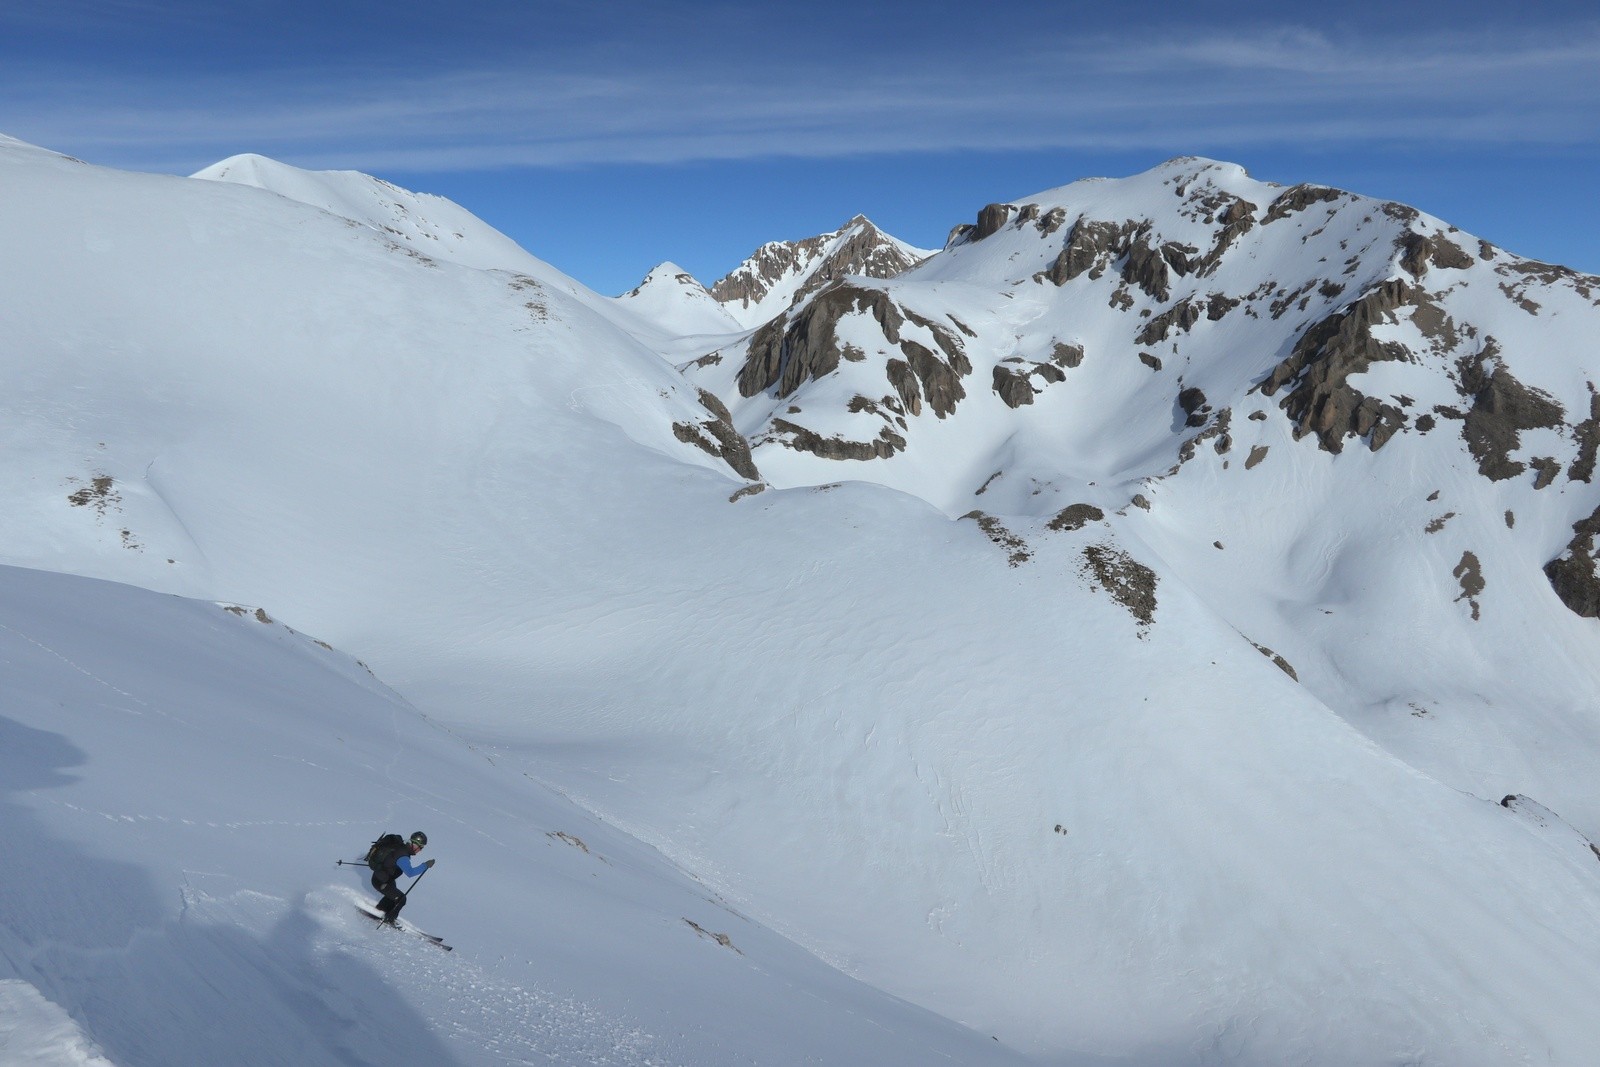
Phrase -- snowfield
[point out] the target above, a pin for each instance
(1095, 721)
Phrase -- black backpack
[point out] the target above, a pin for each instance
(384, 851)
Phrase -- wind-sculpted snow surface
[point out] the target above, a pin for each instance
(1065, 729)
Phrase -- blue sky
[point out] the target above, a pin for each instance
(606, 137)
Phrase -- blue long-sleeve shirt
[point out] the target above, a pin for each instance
(407, 867)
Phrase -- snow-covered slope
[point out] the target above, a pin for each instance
(177, 779)
(780, 273)
(1030, 769)
(431, 228)
(428, 225)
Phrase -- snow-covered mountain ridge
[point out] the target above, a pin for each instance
(1249, 376)
(1150, 722)
(780, 274)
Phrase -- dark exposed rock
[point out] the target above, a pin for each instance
(1089, 249)
(948, 342)
(1182, 315)
(1012, 386)
(990, 219)
(1146, 267)
(804, 346)
(904, 382)
(1547, 468)
(718, 437)
(1014, 380)
(1470, 574)
(1502, 408)
(1400, 212)
(1573, 574)
(1433, 323)
(790, 350)
(1130, 583)
(98, 494)
(1257, 454)
(1017, 552)
(1193, 403)
(1068, 356)
(734, 449)
(1587, 434)
(1282, 664)
(1324, 359)
(1418, 251)
(1287, 300)
(1179, 257)
(749, 490)
(1217, 432)
(865, 252)
(1051, 220)
(1153, 362)
(941, 383)
(886, 444)
(1218, 305)
(1237, 219)
(1075, 517)
(1297, 198)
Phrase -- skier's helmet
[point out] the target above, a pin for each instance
(419, 839)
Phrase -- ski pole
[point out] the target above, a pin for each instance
(413, 885)
(349, 863)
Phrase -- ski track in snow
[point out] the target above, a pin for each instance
(512, 1023)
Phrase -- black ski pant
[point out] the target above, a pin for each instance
(393, 900)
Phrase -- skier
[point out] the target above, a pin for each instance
(391, 864)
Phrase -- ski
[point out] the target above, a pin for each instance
(432, 939)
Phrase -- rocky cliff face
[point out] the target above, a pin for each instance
(782, 273)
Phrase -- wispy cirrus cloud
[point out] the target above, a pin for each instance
(1216, 91)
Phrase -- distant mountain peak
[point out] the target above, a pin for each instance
(779, 274)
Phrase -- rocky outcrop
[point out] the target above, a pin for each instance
(718, 437)
(1075, 517)
(1587, 434)
(1573, 574)
(886, 444)
(1014, 380)
(1297, 198)
(1016, 549)
(1419, 251)
(1181, 316)
(990, 219)
(1193, 403)
(1321, 400)
(1502, 408)
(789, 351)
(1129, 582)
(1089, 249)
(1469, 574)
(856, 249)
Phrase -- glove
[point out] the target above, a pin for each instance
(428, 865)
